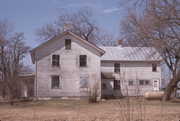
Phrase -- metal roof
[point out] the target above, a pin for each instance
(130, 54)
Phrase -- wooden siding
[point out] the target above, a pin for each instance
(69, 69)
(131, 71)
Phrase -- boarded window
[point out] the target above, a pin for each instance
(55, 82)
(116, 84)
(130, 83)
(154, 67)
(83, 81)
(144, 82)
(55, 60)
(82, 60)
(67, 44)
(117, 67)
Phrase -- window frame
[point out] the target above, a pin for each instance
(117, 84)
(56, 60)
(68, 44)
(154, 67)
(141, 82)
(59, 82)
(84, 80)
(80, 61)
(155, 83)
(131, 84)
(144, 82)
(117, 68)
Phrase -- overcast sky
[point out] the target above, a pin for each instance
(29, 15)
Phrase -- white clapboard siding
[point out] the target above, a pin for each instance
(69, 69)
(132, 71)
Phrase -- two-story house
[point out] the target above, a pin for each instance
(67, 62)
(63, 63)
(130, 71)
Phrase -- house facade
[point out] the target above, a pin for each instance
(63, 63)
(67, 65)
(130, 71)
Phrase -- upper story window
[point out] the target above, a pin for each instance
(154, 67)
(55, 60)
(117, 67)
(55, 82)
(144, 82)
(83, 60)
(116, 84)
(130, 83)
(67, 44)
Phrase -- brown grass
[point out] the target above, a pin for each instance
(73, 110)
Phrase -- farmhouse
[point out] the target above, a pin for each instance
(130, 71)
(67, 65)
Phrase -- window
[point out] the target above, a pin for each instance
(55, 60)
(84, 82)
(116, 84)
(143, 82)
(67, 44)
(130, 83)
(116, 67)
(82, 60)
(103, 86)
(155, 83)
(146, 82)
(154, 67)
(55, 82)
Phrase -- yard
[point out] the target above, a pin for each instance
(74, 110)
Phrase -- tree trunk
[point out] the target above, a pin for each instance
(12, 102)
(3, 70)
(171, 86)
(174, 94)
(3, 93)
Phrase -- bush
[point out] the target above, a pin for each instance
(93, 90)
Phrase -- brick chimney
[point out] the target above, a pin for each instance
(67, 26)
(120, 42)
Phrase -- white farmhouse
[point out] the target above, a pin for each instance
(67, 64)
(130, 71)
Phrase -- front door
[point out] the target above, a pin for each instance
(156, 85)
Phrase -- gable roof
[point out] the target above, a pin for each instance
(130, 54)
(59, 36)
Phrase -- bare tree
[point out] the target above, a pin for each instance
(105, 38)
(81, 23)
(133, 100)
(93, 88)
(5, 34)
(12, 52)
(159, 27)
(16, 52)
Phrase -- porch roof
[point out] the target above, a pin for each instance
(107, 75)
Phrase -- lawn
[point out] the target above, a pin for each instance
(74, 110)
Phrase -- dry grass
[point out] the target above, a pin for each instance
(73, 110)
